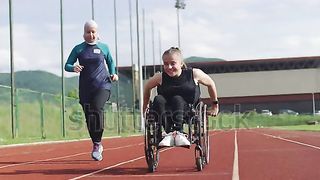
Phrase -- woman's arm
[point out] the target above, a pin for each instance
(109, 61)
(69, 66)
(205, 80)
(150, 84)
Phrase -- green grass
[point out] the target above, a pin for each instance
(300, 128)
(29, 121)
(252, 120)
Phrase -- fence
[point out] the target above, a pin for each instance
(39, 116)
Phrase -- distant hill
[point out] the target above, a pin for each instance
(194, 59)
(40, 81)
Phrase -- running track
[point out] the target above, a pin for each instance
(254, 154)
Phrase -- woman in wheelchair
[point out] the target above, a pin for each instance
(177, 87)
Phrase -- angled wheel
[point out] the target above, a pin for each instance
(151, 143)
(198, 133)
(199, 163)
(202, 153)
(205, 134)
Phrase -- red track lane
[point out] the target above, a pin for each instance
(308, 137)
(264, 157)
(72, 160)
(64, 160)
(179, 163)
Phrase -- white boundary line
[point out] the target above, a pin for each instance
(122, 163)
(78, 154)
(43, 160)
(52, 142)
(235, 172)
(64, 157)
(144, 176)
(67, 156)
(40, 143)
(106, 168)
(292, 141)
(115, 165)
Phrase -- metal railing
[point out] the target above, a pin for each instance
(38, 116)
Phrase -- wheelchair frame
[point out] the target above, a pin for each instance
(198, 129)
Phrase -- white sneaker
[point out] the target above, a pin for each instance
(168, 140)
(97, 151)
(181, 140)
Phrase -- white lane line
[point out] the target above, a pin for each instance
(53, 142)
(122, 163)
(43, 160)
(235, 173)
(115, 165)
(106, 168)
(64, 157)
(72, 155)
(197, 174)
(292, 141)
(41, 143)
(121, 147)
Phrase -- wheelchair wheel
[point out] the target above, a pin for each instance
(151, 143)
(205, 135)
(201, 132)
(199, 163)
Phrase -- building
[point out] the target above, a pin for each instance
(274, 84)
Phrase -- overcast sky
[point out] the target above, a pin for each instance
(227, 29)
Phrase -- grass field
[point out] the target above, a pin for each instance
(35, 122)
(42, 122)
(315, 128)
(253, 120)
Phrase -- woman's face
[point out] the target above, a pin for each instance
(90, 34)
(172, 64)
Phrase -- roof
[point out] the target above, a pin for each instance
(270, 64)
(258, 64)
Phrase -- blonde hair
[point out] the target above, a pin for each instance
(175, 50)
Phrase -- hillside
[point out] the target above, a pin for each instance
(40, 81)
(195, 59)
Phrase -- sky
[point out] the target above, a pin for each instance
(227, 29)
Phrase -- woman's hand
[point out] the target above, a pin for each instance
(114, 77)
(214, 110)
(78, 68)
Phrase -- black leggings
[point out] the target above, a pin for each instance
(94, 113)
(174, 108)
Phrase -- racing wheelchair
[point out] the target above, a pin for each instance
(197, 130)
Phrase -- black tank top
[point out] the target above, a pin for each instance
(183, 85)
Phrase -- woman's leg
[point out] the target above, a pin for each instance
(178, 109)
(159, 108)
(94, 113)
(160, 112)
